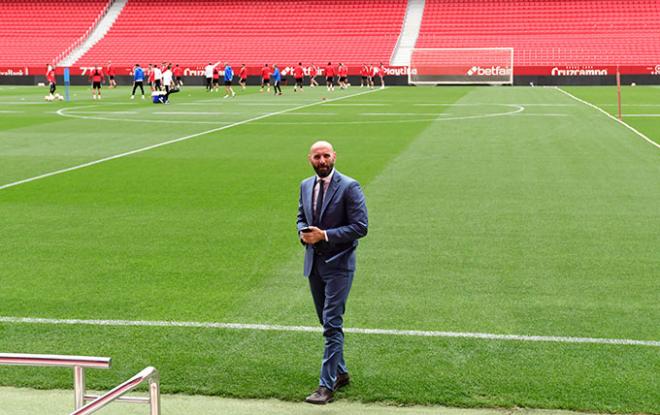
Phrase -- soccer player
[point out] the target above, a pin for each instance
(96, 77)
(265, 78)
(229, 75)
(277, 78)
(208, 73)
(313, 72)
(168, 78)
(158, 77)
(342, 71)
(178, 76)
(161, 97)
(110, 70)
(364, 73)
(298, 75)
(150, 76)
(52, 82)
(242, 76)
(330, 76)
(216, 79)
(138, 80)
(370, 75)
(381, 74)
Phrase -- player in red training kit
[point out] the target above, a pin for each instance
(342, 71)
(381, 74)
(52, 82)
(216, 79)
(151, 77)
(96, 78)
(265, 78)
(330, 77)
(111, 75)
(242, 76)
(313, 72)
(177, 72)
(298, 75)
(364, 73)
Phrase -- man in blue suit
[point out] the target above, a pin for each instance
(332, 216)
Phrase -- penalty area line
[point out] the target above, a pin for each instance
(285, 328)
(176, 140)
(628, 126)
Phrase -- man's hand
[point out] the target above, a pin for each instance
(315, 235)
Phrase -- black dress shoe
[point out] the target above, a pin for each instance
(343, 379)
(321, 396)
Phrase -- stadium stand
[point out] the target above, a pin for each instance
(37, 32)
(548, 32)
(252, 32)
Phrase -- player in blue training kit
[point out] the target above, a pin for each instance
(229, 74)
(138, 80)
(277, 79)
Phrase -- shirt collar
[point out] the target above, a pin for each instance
(328, 178)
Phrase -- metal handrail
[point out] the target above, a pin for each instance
(149, 374)
(77, 363)
(56, 360)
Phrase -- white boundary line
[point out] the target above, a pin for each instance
(275, 327)
(610, 116)
(176, 140)
(436, 118)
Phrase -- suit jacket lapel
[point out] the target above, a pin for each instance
(308, 191)
(332, 188)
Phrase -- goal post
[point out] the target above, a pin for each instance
(436, 66)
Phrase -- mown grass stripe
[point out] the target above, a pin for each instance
(176, 140)
(628, 126)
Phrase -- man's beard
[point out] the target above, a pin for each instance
(324, 171)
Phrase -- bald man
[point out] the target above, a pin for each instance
(332, 216)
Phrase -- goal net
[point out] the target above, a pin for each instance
(490, 66)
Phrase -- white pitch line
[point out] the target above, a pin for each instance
(312, 113)
(277, 327)
(402, 113)
(193, 113)
(436, 118)
(176, 140)
(269, 104)
(23, 103)
(624, 105)
(481, 104)
(542, 115)
(354, 105)
(610, 116)
(103, 112)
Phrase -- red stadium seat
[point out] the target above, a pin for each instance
(34, 33)
(549, 33)
(253, 32)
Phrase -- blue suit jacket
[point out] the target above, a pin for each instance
(343, 217)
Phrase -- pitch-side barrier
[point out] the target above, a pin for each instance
(79, 364)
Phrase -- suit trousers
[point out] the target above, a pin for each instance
(330, 292)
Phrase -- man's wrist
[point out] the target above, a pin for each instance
(325, 236)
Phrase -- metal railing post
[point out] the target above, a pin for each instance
(154, 396)
(78, 386)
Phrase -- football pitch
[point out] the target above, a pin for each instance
(512, 260)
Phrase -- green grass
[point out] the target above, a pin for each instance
(539, 222)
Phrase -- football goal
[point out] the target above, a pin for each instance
(488, 66)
